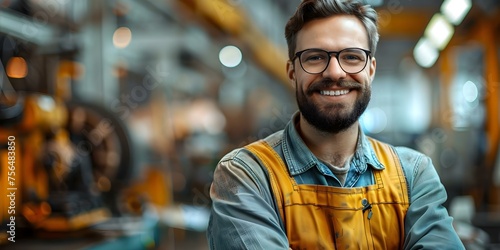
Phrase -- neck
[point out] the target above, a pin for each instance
(334, 148)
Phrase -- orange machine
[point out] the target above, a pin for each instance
(42, 170)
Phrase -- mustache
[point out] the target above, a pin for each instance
(327, 83)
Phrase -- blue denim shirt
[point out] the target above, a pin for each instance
(244, 214)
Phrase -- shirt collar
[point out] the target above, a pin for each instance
(299, 158)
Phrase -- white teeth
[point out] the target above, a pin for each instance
(334, 92)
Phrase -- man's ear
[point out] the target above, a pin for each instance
(290, 69)
(373, 68)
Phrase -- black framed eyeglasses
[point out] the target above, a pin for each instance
(315, 61)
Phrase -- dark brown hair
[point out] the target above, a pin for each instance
(315, 9)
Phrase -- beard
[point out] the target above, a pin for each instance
(336, 117)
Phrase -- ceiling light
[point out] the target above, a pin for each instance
(470, 91)
(122, 37)
(425, 53)
(439, 31)
(17, 67)
(455, 10)
(230, 56)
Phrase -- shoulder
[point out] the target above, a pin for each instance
(241, 164)
(418, 167)
(413, 162)
(411, 157)
(405, 154)
(242, 156)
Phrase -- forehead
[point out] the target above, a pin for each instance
(333, 33)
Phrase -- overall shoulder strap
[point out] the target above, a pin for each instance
(272, 163)
(388, 157)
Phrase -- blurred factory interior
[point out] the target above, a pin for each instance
(120, 110)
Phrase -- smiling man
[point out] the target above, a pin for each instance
(321, 183)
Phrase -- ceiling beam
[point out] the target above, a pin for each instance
(233, 21)
(406, 23)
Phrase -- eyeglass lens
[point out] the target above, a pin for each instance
(316, 61)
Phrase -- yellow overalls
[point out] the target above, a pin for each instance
(325, 217)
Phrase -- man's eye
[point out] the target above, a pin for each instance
(313, 58)
(352, 57)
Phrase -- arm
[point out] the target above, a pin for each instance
(243, 213)
(427, 223)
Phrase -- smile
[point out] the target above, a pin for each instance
(334, 92)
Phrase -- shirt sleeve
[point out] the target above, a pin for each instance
(243, 214)
(427, 223)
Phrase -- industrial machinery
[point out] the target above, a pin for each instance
(63, 163)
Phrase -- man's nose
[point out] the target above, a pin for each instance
(334, 71)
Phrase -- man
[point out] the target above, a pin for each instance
(321, 183)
